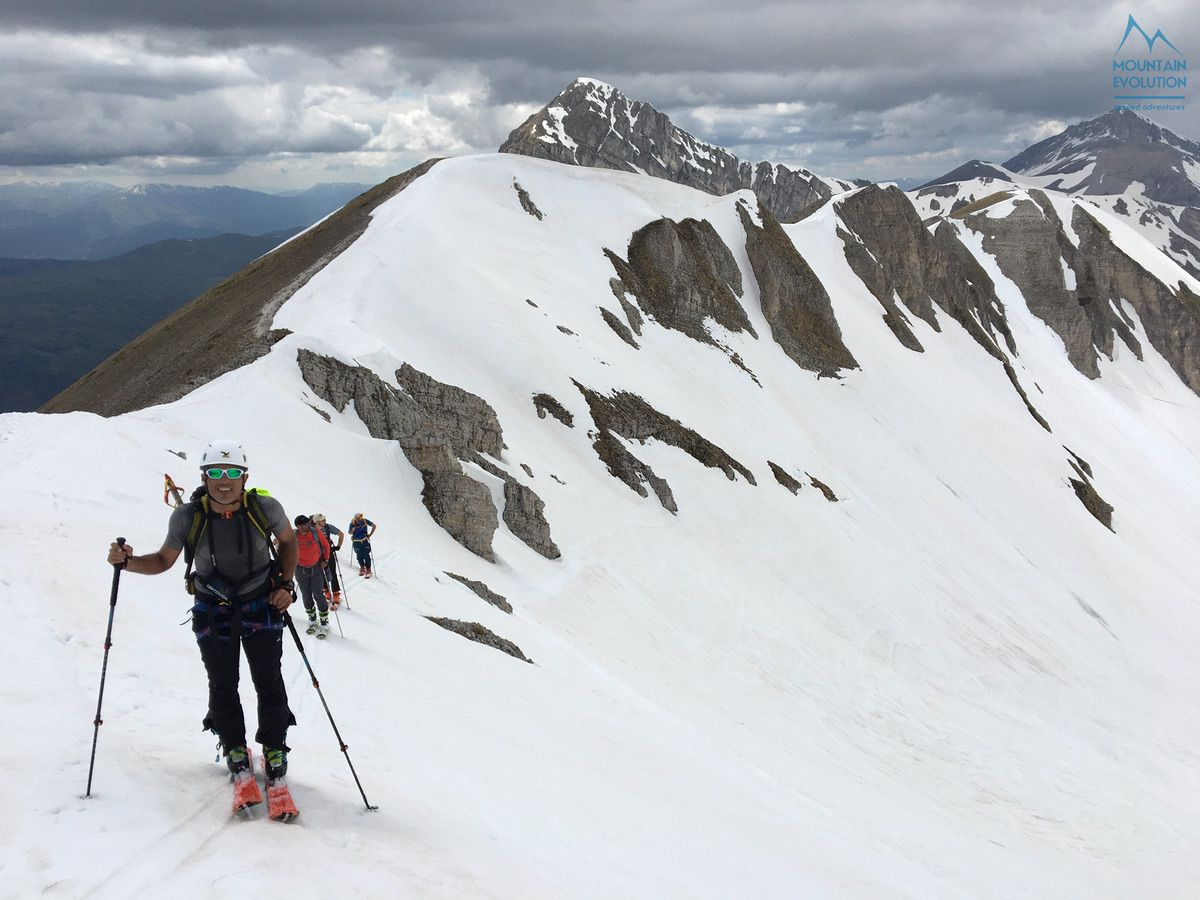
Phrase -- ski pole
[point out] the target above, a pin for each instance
(112, 609)
(317, 685)
(329, 591)
(337, 563)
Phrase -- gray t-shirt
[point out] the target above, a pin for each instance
(230, 549)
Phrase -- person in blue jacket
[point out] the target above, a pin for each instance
(361, 529)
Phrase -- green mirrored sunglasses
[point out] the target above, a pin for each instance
(232, 472)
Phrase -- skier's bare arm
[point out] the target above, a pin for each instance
(149, 564)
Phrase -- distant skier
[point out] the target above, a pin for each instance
(241, 593)
(330, 530)
(311, 565)
(361, 530)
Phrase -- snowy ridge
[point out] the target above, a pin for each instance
(941, 685)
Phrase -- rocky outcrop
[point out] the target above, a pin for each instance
(594, 124)
(1016, 383)
(473, 631)
(544, 403)
(467, 421)
(631, 417)
(526, 202)
(626, 467)
(1033, 251)
(888, 266)
(682, 274)
(963, 289)
(892, 251)
(1087, 493)
(782, 476)
(1170, 317)
(525, 516)
(825, 489)
(632, 313)
(458, 503)
(482, 591)
(794, 302)
(524, 511)
(1032, 247)
(227, 327)
(622, 330)
(436, 426)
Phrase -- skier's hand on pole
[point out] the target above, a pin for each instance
(119, 553)
(281, 598)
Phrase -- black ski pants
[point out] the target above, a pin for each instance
(333, 571)
(222, 661)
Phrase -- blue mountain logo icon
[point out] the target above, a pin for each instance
(1150, 41)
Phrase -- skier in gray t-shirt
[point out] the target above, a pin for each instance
(241, 595)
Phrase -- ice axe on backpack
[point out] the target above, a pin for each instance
(172, 494)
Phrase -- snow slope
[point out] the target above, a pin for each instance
(952, 683)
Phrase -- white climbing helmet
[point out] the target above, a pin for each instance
(223, 453)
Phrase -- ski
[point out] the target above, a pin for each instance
(246, 794)
(280, 805)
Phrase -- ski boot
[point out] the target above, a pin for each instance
(274, 763)
(312, 623)
(245, 789)
(323, 628)
(280, 805)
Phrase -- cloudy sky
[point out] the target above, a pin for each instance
(287, 93)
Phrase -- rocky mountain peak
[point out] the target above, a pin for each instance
(592, 123)
(1108, 154)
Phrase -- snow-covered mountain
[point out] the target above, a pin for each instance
(1121, 161)
(1114, 153)
(853, 558)
(593, 124)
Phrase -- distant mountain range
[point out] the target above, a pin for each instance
(1120, 162)
(60, 318)
(92, 220)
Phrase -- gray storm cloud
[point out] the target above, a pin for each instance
(867, 89)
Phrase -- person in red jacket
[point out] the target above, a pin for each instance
(312, 560)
